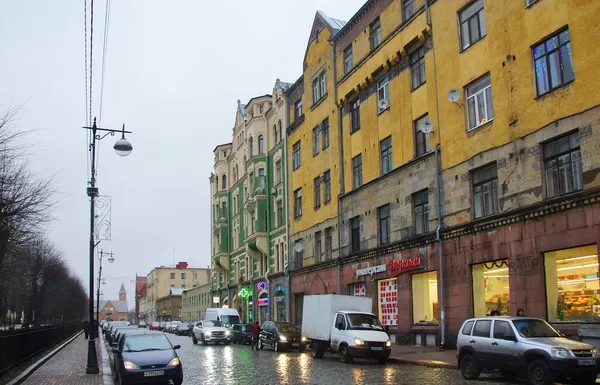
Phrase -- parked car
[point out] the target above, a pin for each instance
(147, 358)
(524, 347)
(226, 316)
(182, 329)
(142, 324)
(281, 336)
(154, 325)
(241, 333)
(173, 326)
(210, 331)
(162, 326)
(110, 338)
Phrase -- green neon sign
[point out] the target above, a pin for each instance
(245, 293)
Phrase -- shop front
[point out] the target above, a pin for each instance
(261, 305)
(279, 301)
(244, 304)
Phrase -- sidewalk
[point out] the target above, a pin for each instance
(67, 367)
(417, 355)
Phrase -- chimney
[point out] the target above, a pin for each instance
(181, 265)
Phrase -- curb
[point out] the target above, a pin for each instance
(428, 363)
(23, 376)
(107, 374)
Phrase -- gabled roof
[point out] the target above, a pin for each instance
(334, 24)
(323, 21)
(175, 291)
(242, 108)
(122, 290)
(120, 306)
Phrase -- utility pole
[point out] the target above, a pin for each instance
(110, 259)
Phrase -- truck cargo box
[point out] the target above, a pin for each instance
(319, 310)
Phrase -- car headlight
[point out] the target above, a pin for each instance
(130, 365)
(174, 362)
(303, 339)
(282, 338)
(560, 352)
(388, 343)
(358, 342)
(595, 352)
(227, 333)
(207, 333)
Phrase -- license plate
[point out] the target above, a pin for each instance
(154, 374)
(296, 344)
(377, 348)
(587, 362)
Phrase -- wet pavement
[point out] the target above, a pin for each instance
(237, 364)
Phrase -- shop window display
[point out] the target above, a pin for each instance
(491, 288)
(572, 285)
(388, 302)
(425, 298)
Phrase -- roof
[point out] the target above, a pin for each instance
(354, 18)
(322, 21)
(334, 24)
(257, 97)
(122, 290)
(177, 290)
(120, 306)
(242, 108)
(216, 147)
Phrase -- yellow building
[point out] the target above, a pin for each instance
(195, 302)
(161, 280)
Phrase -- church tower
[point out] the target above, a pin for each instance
(122, 293)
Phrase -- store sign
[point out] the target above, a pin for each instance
(402, 266)
(261, 286)
(371, 270)
(262, 302)
(245, 293)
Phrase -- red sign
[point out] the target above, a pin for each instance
(402, 266)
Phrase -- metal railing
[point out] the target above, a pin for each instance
(19, 345)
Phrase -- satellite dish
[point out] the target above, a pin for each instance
(425, 125)
(382, 104)
(298, 247)
(453, 95)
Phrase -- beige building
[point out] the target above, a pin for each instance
(169, 307)
(162, 279)
(195, 301)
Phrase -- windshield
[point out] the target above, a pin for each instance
(211, 324)
(364, 322)
(144, 343)
(183, 326)
(535, 328)
(176, 322)
(287, 327)
(229, 320)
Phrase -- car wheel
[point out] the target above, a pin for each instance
(202, 339)
(508, 375)
(316, 351)
(469, 367)
(276, 346)
(194, 340)
(538, 373)
(260, 345)
(345, 355)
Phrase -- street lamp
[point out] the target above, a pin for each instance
(123, 148)
(110, 259)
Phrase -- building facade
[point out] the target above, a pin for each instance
(113, 310)
(195, 301)
(161, 280)
(249, 242)
(465, 176)
(170, 306)
(140, 293)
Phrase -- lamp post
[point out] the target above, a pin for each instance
(111, 259)
(123, 148)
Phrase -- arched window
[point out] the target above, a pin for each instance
(275, 133)
(280, 132)
(224, 182)
(217, 184)
(261, 144)
(251, 147)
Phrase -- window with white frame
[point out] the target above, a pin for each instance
(325, 132)
(480, 108)
(383, 94)
(472, 24)
(315, 138)
(261, 178)
(298, 203)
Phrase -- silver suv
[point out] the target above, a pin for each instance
(524, 347)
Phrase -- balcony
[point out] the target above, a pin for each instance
(221, 261)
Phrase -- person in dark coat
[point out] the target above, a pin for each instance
(255, 334)
(86, 329)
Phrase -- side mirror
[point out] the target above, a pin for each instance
(177, 347)
(510, 338)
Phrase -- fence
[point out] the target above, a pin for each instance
(19, 345)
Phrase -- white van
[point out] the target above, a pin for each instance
(226, 316)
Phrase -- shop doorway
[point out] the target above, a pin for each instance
(491, 290)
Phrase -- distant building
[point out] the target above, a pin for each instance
(195, 301)
(113, 310)
(169, 306)
(140, 292)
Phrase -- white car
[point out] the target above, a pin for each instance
(210, 331)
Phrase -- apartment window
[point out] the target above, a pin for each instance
(355, 115)
(472, 24)
(327, 183)
(252, 222)
(319, 87)
(375, 35)
(485, 191)
(316, 90)
(417, 67)
(318, 249)
(279, 212)
(172, 275)
(357, 171)
(421, 211)
(323, 82)
(409, 8)
(480, 109)
(275, 134)
(298, 255)
(328, 243)
(317, 192)
(355, 234)
(421, 138)
(182, 275)
(251, 147)
(298, 203)
(278, 174)
(261, 144)
(348, 59)
(296, 155)
(383, 94)
(224, 182)
(260, 109)
(563, 165)
(325, 132)
(195, 276)
(298, 109)
(223, 209)
(261, 178)
(384, 224)
(315, 138)
(385, 147)
(553, 62)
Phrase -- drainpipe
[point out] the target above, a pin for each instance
(341, 169)
(438, 186)
(286, 268)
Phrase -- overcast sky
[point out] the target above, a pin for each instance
(173, 75)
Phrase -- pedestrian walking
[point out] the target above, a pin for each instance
(86, 329)
(255, 334)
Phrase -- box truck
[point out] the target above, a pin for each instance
(344, 325)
